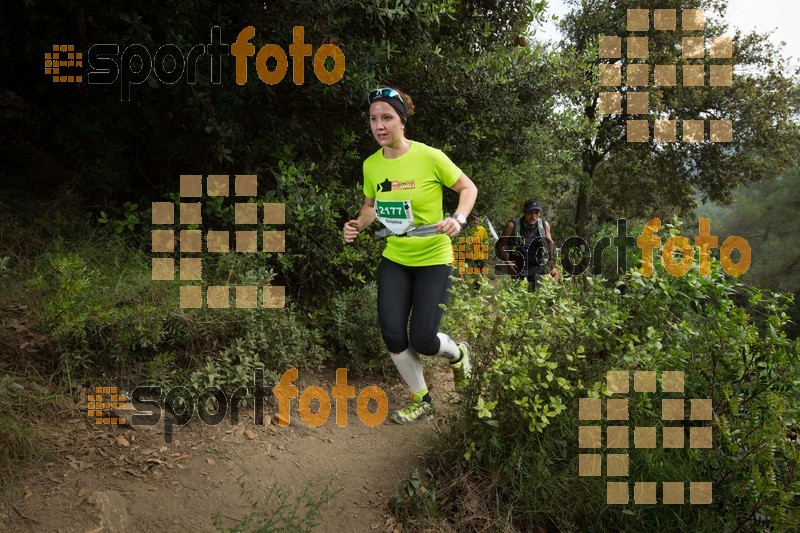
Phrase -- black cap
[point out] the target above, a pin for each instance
(531, 204)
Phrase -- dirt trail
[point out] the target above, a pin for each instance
(139, 483)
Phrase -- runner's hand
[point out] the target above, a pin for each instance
(449, 226)
(350, 231)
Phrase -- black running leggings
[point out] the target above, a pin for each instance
(415, 290)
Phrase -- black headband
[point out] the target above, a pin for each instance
(398, 106)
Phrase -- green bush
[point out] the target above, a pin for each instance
(274, 340)
(102, 312)
(317, 263)
(514, 443)
(351, 324)
(100, 319)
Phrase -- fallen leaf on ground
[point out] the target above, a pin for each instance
(81, 493)
(210, 461)
(249, 434)
(122, 441)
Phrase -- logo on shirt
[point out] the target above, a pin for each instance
(386, 185)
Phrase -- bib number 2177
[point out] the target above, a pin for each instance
(396, 215)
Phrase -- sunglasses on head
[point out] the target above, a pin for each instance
(386, 92)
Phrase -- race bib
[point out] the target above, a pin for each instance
(395, 215)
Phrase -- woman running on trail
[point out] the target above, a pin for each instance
(403, 183)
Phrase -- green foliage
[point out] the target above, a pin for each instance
(124, 218)
(279, 512)
(350, 322)
(274, 340)
(489, 103)
(102, 311)
(316, 261)
(477, 89)
(99, 319)
(616, 178)
(765, 215)
(536, 354)
(416, 497)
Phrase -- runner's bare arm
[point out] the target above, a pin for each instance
(468, 193)
(366, 216)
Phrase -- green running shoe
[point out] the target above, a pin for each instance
(463, 369)
(417, 408)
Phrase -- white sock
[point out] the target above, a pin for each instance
(448, 347)
(410, 368)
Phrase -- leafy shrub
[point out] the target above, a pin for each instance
(112, 316)
(99, 319)
(270, 339)
(351, 323)
(317, 262)
(537, 353)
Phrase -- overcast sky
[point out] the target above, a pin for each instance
(747, 15)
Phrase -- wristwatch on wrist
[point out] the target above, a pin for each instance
(461, 219)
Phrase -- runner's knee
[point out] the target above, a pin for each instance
(425, 344)
(395, 342)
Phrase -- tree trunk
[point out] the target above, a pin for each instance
(582, 207)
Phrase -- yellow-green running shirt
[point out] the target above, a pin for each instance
(417, 176)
